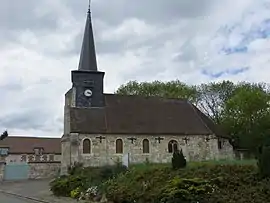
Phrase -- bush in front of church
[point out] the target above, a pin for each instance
(138, 184)
(80, 179)
(75, 168)
(158, 185)
(62, 186)
(178, 160)
(202, 182)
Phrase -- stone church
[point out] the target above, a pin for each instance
(100, 128)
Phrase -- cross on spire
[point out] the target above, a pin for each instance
(89, 6)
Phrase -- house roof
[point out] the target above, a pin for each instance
(142, 115)
(21, 145)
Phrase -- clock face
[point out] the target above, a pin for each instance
(88, 93)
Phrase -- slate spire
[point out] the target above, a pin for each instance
(88, 60)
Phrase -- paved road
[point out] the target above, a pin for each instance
(38, 189)
(11, 199)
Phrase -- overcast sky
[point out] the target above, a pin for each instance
(191, 40)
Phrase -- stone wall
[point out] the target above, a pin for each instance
(197, 148)
(41, 170)
(2, 169)
(65, 141)
(17, 158)
(226, 152)
(66, 158)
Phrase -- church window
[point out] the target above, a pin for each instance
(145, 146)
(172, 146)
(119, 146)
(219, 144)
(51, 157)
(4, 151)
(38, 150)
(86, 146)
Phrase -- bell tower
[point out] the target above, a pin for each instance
(87, 81)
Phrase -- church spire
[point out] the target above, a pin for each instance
(88, 60)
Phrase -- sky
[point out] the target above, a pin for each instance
(190, 40)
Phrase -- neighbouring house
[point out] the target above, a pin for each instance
(29, 157)
(100, 128)
(30, 149)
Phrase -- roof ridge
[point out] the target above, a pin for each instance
(11, 136)
(146, 97)
(194, 108)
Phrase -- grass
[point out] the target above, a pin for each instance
(197, 164)
(225, 162)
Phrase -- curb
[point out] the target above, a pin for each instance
(24, 197)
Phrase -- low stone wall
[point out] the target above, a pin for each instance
(41, 170)
(2, 169)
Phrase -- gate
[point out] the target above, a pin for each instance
(16, 171)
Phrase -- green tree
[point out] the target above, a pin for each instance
(241, 109)
(172, 89)
(264, 162)
(178, 160)
(212, 98)
(246, 116)
(4, 135)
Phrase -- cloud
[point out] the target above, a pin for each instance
(229, 72)
(193, 41)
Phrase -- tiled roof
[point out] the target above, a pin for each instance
(142, 115)
(19, 144)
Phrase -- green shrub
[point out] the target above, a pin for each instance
(147, 161)
(75, 168)
(178, 160)
(186, 190)
(264, 162)
(81, 178)
(142, 184)
(62, 186)
(107, 172)
(75, 194)
(206, 183)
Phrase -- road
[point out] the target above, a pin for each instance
(12, 199)
(38, 189)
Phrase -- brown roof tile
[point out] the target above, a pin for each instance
(18, 144)
(142, 115)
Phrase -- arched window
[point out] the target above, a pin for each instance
(145, 146)
(119, 146)
(220, 143)
(172, 146)
(86, 146)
